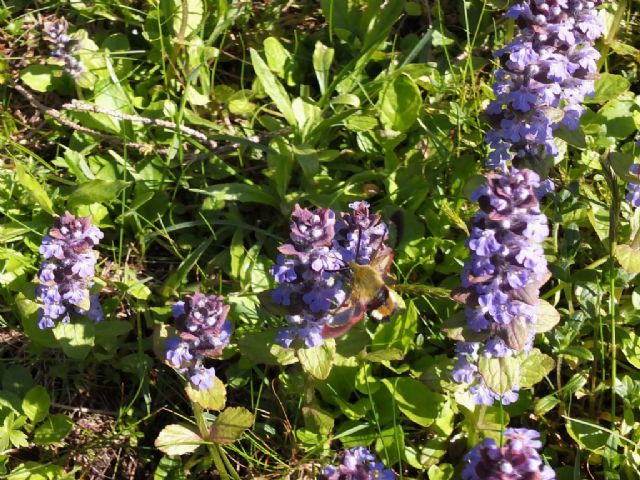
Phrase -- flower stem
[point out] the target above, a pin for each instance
(214, 450)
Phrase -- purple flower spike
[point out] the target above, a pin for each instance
(312, 271)
(358, 464)
(203, 331)
(503, 275)
(66, 274)
(517, 459)
(547, 71)
(63, 47)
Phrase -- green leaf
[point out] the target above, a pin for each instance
(399, 332)
(317, 420)
(534, 367)
(178, 277)
(587, 434)
(76, 338)
(317, 361)
(545, 404)
(177, 440)
(386, 355)
(36, 404)
(443, 471)
(34, 189)
(112, 328)
(415, 399)
(96, 191)
(619, 117)
(53, 429)
(322, 60)
(240, 192)
(278, 58)
(607, 87)
(17, 379)
(39, 77)
(230, 425)
(259, 347)
(400, 103)
(630, 346)
(213, 398)
(169, 468)
(500, 374)
(456, 327)
(547, 317)
(273, 87)
(187, 17)
(628, 257)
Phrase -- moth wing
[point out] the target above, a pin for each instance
(343, 320)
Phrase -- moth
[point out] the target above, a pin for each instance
(369, 292)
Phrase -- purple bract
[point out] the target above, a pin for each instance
(63, 46)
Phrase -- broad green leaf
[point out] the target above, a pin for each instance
(177, 439)
(76, 338)
(630, 345)
(607, 87)
(36, 404)
(112, 328)
(322, 60)
(53, 429)
(619, 118)
(259, 347)
(628, 257)
(39, 77)
(587, 435)
(278, 58)
(96, 191)
(399, 332)
(534, 367)
(169, 468)
(390, 444)
(386, 355)
(545, 404)
(273, 87)
(360, 123)
(400, 103)
(187, 18)
(415, 399)
(443, 471)
(547, 317)
(17, 379)
(317, 361)
(500, 374)
(230, 425)
(213, 398)
(34, 189)
(317, 420)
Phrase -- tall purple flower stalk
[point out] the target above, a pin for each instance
(67, 273)
(547, 70)
(517, 459)
(203, 331)
(63, 47)
(358, 464)
(311, 269)
(503, 275)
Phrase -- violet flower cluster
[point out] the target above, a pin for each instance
(311, 269)
(633, 196)
(518, 459)
(67, 273)
(203, 331)
(63, 46)
(503, 275)
(358, 464)
(549, 67)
